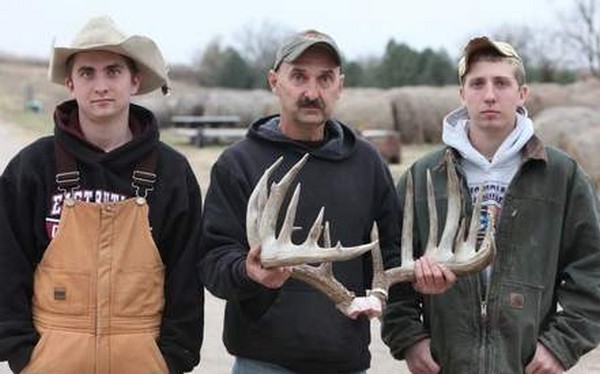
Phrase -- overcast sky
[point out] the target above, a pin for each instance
(183, 27)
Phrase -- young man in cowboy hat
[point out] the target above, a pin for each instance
(536, 308)
(99, 225)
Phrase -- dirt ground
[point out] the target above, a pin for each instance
(214, 358)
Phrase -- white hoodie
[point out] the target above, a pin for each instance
(494, 175)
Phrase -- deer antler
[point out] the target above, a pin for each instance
(261, 218)
(465, 259)
(263, 209)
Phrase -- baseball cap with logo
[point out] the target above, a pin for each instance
(297, 44)
(484, 43)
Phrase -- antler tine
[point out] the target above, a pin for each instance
(256, 205)
(465, 248)
(381, 280)
(285, 234)
(433, 222)
(407, 222)
(444, 250)
(268, 220)
(315, 231)
(467, 259)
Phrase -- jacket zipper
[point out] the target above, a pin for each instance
(482, 294)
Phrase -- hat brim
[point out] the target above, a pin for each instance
(130, 48)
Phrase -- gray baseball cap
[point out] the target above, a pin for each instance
(293, 47)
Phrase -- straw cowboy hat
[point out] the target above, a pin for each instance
(101, 34)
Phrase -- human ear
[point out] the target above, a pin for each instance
(136, 82)
(272, 78)
(69, 84)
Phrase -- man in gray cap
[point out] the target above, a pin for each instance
(100, 224)
(536, 308)
(274, 324)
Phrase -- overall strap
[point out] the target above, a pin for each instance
(68, 176)
(144, 175)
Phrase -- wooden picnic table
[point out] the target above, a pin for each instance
(203, 130)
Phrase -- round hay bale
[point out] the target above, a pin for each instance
(576, 130)
(249, 105)
(365, 109)
(420, 111)
(585, 93)
(546, 95)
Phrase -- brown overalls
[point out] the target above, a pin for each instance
(98, 293)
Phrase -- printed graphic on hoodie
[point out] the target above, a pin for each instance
(493, 196)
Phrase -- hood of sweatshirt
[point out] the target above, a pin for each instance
(143, 125)
(338, 144)
(455, 135)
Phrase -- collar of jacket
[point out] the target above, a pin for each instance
(534, 149)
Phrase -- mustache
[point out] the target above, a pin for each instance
(305, 102)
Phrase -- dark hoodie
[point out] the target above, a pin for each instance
(296, 326)
(30, 208)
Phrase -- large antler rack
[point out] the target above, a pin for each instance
(261, 219)
(460, 256)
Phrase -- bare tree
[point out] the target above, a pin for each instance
(537, 47)
(258, 43)
(581, 31)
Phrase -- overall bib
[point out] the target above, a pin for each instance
(98, 293)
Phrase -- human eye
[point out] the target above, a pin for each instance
(326, 80)
(86, 73)
(297, 77)
(503, 83)
(113, 71)
(476, 83)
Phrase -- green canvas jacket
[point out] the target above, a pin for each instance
(545, 281)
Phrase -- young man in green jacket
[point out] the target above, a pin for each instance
(536, 308)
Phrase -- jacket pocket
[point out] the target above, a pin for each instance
(518, 322)
(61, 291)
(59, 352)
(136, 353)
(139, 292)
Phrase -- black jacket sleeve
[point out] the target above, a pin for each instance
(183, 317)
(224, 244)
(17, 257)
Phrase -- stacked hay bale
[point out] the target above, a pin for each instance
(576, 130)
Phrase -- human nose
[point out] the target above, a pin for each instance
(489, 94)
(312, 90)
(101, 85)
